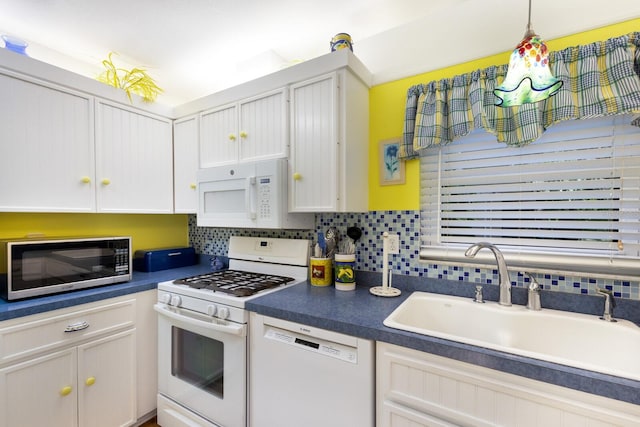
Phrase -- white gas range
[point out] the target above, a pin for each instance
(202, 331)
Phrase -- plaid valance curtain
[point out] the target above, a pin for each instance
(599, 79)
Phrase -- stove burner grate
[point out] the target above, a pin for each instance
(234, 282)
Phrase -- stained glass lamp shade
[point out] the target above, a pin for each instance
(528, 77)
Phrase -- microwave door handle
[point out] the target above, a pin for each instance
(250, 197)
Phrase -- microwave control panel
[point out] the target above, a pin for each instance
(264, 197)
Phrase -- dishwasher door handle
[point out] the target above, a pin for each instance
(228, 328)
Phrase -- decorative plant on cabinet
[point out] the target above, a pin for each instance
(135, 80)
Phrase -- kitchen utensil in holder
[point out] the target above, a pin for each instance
(385, 290)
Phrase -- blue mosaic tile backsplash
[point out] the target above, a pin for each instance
(215, 241)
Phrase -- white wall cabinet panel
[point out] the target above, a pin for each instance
(263, 127)
(420, 389)
(218, 136)
(134, 165)
(46, 147)
(329, 143)
(248, 130)
(314, 140)
(40, 392)
(185, 164)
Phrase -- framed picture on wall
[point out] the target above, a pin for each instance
(391, 166)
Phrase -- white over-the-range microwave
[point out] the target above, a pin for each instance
(247, 195)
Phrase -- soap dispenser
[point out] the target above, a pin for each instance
(533, 296)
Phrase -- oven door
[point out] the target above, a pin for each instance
(202, 365)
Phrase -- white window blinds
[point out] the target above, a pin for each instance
(567, 203)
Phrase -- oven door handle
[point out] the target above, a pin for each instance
(229, 328)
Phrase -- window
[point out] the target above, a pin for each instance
(567, 203)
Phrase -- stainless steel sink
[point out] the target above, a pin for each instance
(572, 339)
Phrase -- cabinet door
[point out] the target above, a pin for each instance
(40, 392)
(313, 154)
(219, 136)
(263, 127)
(134, 161)
(46, 148)
(185, 164)
(418, 389)
(107, 381)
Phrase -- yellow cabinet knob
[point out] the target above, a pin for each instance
(243, 134)
(90, 381)
(192, 186)
(86, 180)
(65, 390)
(106, 181)
(232, 137)
(297, 176)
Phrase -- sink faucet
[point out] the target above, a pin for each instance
(503, 273)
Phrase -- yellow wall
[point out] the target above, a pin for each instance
(147, 231)
(387, 102)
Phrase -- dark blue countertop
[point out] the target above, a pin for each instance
(359, 313)
(140, 282)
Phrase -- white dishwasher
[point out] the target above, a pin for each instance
(301, 375)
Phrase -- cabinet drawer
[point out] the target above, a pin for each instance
(60, 328)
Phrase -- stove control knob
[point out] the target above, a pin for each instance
(166, 298)
(223, 313)
(211, 310)
(176, 301)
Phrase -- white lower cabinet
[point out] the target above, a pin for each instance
(39, 392)
(416, 389)
(78, 367)
(107, 380)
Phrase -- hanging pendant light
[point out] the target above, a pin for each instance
(528, 78)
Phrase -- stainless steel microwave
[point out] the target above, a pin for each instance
(32, 267)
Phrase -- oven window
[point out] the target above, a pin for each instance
(198, 360)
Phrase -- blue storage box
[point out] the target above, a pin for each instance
(148, 260)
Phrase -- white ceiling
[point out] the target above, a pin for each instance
(197, 47)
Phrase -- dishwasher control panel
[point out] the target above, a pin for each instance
(314, 344)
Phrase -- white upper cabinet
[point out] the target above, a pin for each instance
(134, 160)
(314, 148)
(185, 164)
(72, 144)
(263, 126)
(218, 136)
(329, 152)
(46, 147)
(251, 129)
(319, 122)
